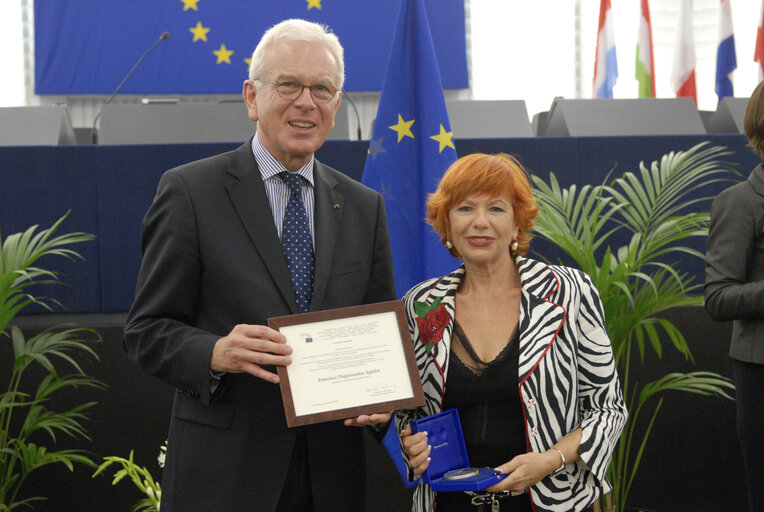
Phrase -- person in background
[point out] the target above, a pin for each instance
(262, 231)
(517, 346)
(734, 290)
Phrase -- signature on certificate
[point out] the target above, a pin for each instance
(381, 389)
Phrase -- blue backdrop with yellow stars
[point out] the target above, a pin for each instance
(88, 46)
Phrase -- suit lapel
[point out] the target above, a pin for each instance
(247, 192)
(756, 178)
(328, 206)
(540, 319)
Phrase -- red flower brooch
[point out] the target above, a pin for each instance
(432, 320)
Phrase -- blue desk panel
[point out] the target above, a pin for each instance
(109, 188)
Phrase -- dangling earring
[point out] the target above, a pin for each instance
(514, 246)
(449, 245)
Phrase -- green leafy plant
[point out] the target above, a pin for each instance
(29, 429)
(141, 478)
(658, 210)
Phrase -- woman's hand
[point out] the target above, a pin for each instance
(529, 468)
(417, 449)
(526, 470)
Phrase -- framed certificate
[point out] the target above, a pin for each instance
(347, 362)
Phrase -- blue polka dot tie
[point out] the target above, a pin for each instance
(296, 242)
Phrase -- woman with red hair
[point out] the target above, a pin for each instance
(522, 346)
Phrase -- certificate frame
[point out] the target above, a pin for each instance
(398, 342)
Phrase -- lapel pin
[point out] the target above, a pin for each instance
(336, 206)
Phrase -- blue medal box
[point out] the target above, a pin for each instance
(449, 453)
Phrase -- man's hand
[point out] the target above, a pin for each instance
(247, 348)
(365, 420)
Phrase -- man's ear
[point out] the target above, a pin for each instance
(249, 92)
(339, 99)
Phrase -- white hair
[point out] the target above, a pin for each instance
(300, 31)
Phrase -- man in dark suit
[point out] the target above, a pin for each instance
(214, 270)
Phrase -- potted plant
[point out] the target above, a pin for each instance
(140, 476)
(29, 428)
(658, 211)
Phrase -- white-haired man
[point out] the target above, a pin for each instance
(217, 264)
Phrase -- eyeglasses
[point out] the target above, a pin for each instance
(293, 90)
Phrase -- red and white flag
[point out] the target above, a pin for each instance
(726, 60)
(645, 70)
(605, 63)
(758, 55)
(683, 72)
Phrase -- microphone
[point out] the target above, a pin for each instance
(357, 117)
(165, 35)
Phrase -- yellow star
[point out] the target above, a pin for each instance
(248, 60)
(444, 139)
(314, 3)
(199, 31)
(190, 4)
(224, 54)
(403, 128)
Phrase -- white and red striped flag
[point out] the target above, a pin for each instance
(605, 63)
(758, 55)
(726, 61)
(645, 69)
(683, 71)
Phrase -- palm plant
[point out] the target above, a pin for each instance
(140, 476)
(28, 427)
(638, 281)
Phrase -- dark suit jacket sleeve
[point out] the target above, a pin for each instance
(729, 292)
(382, 281)
(158, 334)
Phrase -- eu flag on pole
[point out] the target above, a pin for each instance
(411, 147)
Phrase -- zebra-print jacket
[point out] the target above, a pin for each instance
(567, 378)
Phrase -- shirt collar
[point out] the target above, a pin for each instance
(270, 167)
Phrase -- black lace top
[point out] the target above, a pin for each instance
(487, 398)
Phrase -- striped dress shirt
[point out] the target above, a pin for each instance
(278, 191)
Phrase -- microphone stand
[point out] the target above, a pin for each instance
(357, 117)
(164, 36)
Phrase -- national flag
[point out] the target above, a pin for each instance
(88, 46)
(410, 149)
(726, 62)
(605, 63)
(645, 68)
(758, 55)
(683, 72)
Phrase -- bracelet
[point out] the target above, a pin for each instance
(562, 465)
